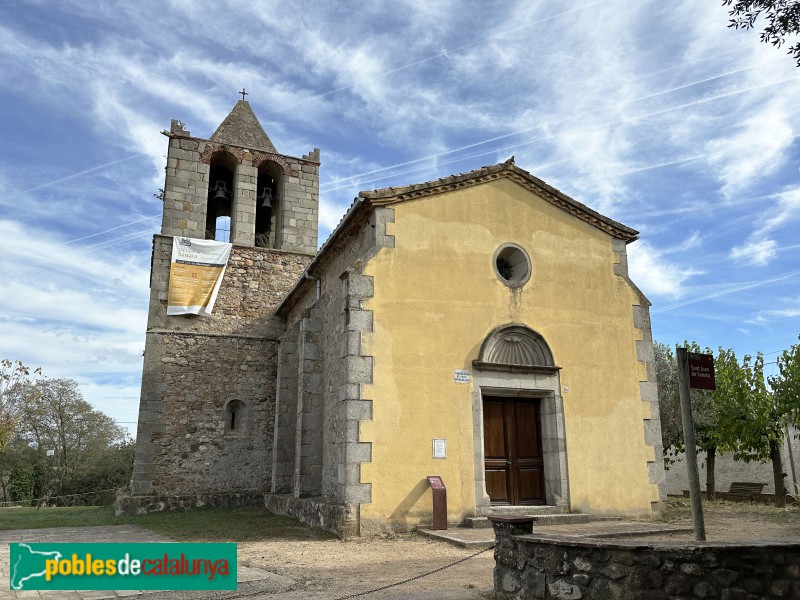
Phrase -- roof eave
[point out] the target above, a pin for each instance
(508, 170)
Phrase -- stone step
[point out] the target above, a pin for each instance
(562, 519)
(477, 523)
(543, 520)
(523, 510)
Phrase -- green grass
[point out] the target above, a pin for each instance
(207, 524)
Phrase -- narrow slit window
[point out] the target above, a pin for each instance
(235, 416)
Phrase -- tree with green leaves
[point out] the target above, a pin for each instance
(742, 416)
(52, 415)
(668, 401)
(753, 421)
(783, 19)
(786, 388)
(703, 412)
(13, 374)
(732, 388)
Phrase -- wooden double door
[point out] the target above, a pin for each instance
(512, 447)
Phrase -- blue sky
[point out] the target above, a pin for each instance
(653, 113)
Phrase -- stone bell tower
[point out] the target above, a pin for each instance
(228, 175)
(208, 385)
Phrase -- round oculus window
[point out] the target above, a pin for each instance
(512, 265)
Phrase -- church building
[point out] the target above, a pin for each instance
(479, 328)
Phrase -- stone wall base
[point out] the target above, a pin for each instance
(127, 505)
(317, 512)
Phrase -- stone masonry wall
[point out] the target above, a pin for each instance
(184, 445)
(310, 409)
(529, 566)
(186, 191)
(300, 205)
(255, 282)
(194, 366)
(283, 456)
(344, 322)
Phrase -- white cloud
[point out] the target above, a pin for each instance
(787, 207)
(755, 253)
(656, 275)
(756, 149)
(78, 314)
(329, 216)
(789, 310)
(760, 247)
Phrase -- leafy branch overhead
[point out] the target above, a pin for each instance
(783, 19)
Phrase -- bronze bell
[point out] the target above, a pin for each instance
(220, 191)
(265, 199)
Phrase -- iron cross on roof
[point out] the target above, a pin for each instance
(244, 93)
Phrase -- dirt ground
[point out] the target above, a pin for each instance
(331, 569)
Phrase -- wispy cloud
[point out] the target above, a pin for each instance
(759, 249)
(755, 253)
(789, 309)
(657, 275)
(757, 148)
(728, 289)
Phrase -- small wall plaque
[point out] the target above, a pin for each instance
(461, 376)
(439, 448)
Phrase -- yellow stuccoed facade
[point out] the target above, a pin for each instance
(436, 299)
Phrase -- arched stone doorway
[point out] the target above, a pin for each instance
(516, 385)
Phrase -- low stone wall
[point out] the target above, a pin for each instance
(528, 566)
(317, 512)
(139, 505)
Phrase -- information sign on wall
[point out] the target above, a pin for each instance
(439, 448)
(461, 376)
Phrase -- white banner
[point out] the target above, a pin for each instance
(195, 275)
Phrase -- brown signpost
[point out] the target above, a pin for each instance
(701, 371)
(439, 502)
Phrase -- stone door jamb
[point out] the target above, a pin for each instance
(545, 387)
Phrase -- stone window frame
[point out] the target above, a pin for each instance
(235, 409)
(512, 283)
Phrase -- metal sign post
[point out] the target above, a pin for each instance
(689, 443)
(439, 502)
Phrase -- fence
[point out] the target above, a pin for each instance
(95, 498)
